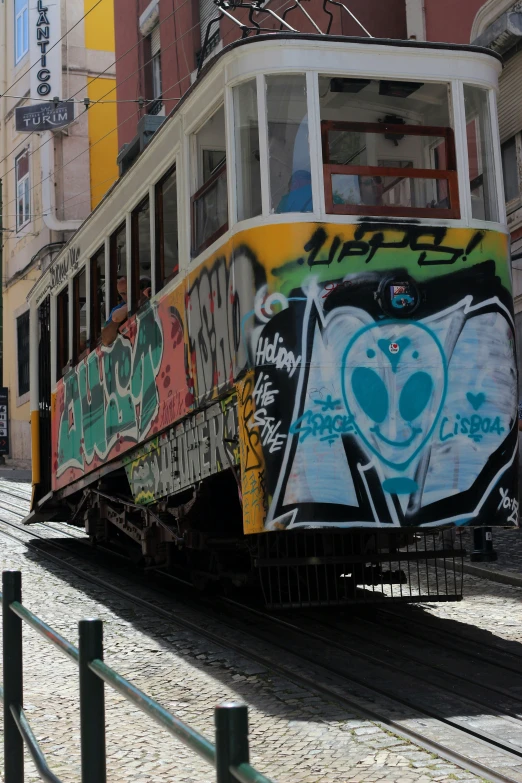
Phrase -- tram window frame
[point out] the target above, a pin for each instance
(161, 278)
(78, 353)
(113, 264)
(63, 359)
(98, 318)
(138, 297)
(201, 159)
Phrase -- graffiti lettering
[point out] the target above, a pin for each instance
(370, 240)
(194, 449)
(474, 427)
(510, 504)
(216, 304)
(273, 352)
(111, 396)
(321, 425)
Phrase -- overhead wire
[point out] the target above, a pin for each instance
(119, 125)
(145, 101)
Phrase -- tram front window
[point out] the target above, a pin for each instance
(388, 148)
(248, 169)
(484, 204)
(288, 145)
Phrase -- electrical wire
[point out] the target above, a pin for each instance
(14, 200)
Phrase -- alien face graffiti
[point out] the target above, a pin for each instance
(394, 379)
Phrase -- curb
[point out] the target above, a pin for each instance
(503, 577)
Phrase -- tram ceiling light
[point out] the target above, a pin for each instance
(348, 85)
(398, 89)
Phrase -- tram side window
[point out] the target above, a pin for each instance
(209, 202)
(62, 341)
(167, 257)
(80, 315)
(248, 182)
(379, 138)
(141, 254)
(98, 311)
(288, 144)
(482, 185)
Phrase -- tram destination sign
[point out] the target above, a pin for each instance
(4, 421)
(46, 116)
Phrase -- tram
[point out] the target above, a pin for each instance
(281, 350)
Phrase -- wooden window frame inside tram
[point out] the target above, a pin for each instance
(135, 255)
(197, 195)
(62, 341)
(161, 280)
(113, 277)
(96, 320)
(449, 175)
(77, 356)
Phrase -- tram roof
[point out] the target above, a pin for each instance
(274, 37)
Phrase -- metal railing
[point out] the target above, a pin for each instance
(229, 755)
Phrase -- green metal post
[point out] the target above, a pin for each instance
(13, 677)
(231, 721)
(92, 703)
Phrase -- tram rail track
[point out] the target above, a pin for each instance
(356, 693)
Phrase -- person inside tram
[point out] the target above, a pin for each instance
(299, 196)
(119, 313)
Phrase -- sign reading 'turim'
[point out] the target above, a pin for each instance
(44, 116)
(45, 48)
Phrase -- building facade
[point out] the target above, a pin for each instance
(51, 178)
(159, 47)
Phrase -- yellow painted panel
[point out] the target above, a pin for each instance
(99, 25)
(35, 445)
(103, 153)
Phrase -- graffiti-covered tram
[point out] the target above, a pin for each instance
(281, 350)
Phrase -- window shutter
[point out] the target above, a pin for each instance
(207, 11)
(510, 98)
(155, 41)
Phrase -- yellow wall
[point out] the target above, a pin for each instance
(99, 36)
(99, 25)
(102, 119)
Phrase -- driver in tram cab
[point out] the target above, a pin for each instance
(120, 312)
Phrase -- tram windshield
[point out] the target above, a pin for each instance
(388, 147)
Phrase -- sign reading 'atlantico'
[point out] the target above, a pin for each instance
(44, 31)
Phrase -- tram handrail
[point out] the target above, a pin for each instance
(229, 755)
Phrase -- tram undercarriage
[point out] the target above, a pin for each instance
(201, 543)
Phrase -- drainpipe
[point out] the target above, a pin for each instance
(48, 190)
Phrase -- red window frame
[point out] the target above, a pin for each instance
(449, 174)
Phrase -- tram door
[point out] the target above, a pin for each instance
(44, 394)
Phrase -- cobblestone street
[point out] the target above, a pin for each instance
(296, 735)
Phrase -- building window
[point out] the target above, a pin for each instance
(23, 190)
(98, 311)
(141, 253)
(21, 29)
(80, 315)
(167, 229)
(22, 338)
(155, 72)
(62, 323)
(209, 202)
(510, 169)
